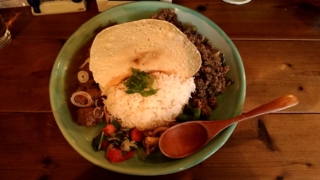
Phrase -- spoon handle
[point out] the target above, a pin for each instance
(273, 106)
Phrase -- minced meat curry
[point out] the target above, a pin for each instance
(211, 79)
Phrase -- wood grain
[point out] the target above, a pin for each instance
(259, 19)
(35, 140)
(25, 71)
(276, 68)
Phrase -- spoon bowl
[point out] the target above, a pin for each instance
(187, 138)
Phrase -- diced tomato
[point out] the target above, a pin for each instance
(104, 145)
(115, 155)
(109, 129)
(136, 135)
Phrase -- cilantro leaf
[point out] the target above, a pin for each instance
(140, 82)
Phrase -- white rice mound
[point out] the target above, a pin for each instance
(146, 113)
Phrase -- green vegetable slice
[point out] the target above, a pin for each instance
(140, 82)
(190, 113)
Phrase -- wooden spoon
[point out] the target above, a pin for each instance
(184, 139)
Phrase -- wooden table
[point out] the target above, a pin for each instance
(279, 42)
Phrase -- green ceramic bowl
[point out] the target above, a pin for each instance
(74, 53)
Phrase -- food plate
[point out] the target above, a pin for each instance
(73, 54)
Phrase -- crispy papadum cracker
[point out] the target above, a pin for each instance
(147, 45)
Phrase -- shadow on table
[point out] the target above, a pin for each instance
(309, 14)
(204, 171)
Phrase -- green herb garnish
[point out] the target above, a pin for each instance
(95, 142)
(116, 124)
(140, 82)
(190, 113)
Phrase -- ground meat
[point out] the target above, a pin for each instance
(168, 15)
(211, 79)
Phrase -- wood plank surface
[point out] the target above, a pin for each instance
(259, 19)
(276, 68)
(292, 151)
(25, 73)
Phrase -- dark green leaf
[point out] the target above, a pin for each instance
(196, 113)
(95, 142)
(115, 124)
(183, 117)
